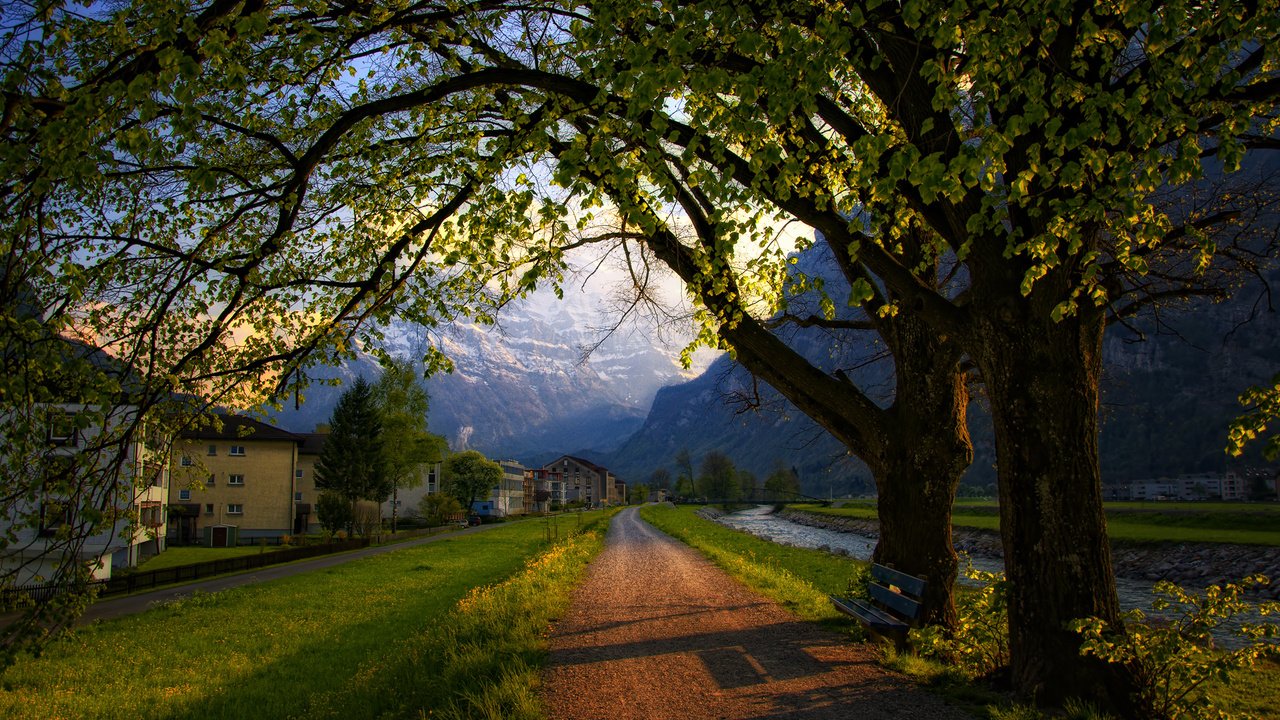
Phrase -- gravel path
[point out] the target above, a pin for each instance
(656, 631)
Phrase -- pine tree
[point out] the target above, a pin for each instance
(352, 464)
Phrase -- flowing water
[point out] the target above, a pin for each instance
(761, 522)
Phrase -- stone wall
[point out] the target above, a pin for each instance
(1191, 565)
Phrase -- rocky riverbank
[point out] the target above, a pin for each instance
(1191, 565)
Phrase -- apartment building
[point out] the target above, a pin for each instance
(125, 477)
(543, 490)
(584, 480)
(236, 479)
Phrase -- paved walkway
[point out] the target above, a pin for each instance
(657, 631)
(133, 604)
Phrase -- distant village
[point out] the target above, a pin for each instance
(249, 482)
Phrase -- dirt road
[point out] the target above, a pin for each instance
(657, 631)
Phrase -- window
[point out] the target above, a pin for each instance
(235, 480)
(208, 508)
(236, 451)
(184, 494)
(211, 480)
(62, 429)
(298, 474)
(186, 461)
(213, 450)
(235, 509)
(53, 515)
(297, 497)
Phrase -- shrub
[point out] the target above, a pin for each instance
(1172, 659)
(858, 582)
(333, 511)
(438, 508)
(979, 643)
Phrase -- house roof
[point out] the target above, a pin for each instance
(585, 463)
(240, 427)
(311, 443)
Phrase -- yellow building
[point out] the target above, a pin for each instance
(305, 495)
(237, 481)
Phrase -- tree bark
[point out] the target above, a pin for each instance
(917, 449)
(926, 450)
(1042, 377)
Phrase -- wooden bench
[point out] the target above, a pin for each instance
(893, 607)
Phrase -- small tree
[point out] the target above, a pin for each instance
(367, 519)
(406, 444)
(438, 508)
(469, 476)
(661, 479)
(718, 480)
(684, 473)
(782, 484)
(639, 493)
(352, 464)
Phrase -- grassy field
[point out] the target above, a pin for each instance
(801, 579)
(189, 555)
(450, 629)
(1242, 523)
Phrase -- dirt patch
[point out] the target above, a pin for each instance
(656, 631)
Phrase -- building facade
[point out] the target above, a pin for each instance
(1202, 486)
(238, 480)
(543, 490)
(587, 482)
(124, 478)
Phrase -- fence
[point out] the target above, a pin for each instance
(155, 578)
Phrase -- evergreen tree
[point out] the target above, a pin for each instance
(352, 464)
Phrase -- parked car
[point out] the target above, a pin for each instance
(473, 520)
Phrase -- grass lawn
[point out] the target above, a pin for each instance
(801, 579)
(192, 554)
(403, 634)
(1241, 523)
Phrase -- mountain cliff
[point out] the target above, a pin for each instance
(1168, 394)
(522, 389)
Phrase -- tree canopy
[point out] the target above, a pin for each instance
(223, 197)
(717, 478)
(406, 445)
(469, 476)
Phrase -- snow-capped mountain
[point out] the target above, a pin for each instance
(527, 388)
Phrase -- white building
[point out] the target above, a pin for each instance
(126, 480)
(507, 497)
(1191, 486)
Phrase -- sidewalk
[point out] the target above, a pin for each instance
(133, 604)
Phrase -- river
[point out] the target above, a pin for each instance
(761, 522)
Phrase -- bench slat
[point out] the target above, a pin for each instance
(908, 584)
(867, 614)
(901, 604)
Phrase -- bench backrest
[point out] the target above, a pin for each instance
(908, 584)
(904, 606)
(906, 601)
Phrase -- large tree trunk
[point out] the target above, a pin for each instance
(1042, 377)
(926, 450)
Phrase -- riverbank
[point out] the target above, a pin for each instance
(1191, 565)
